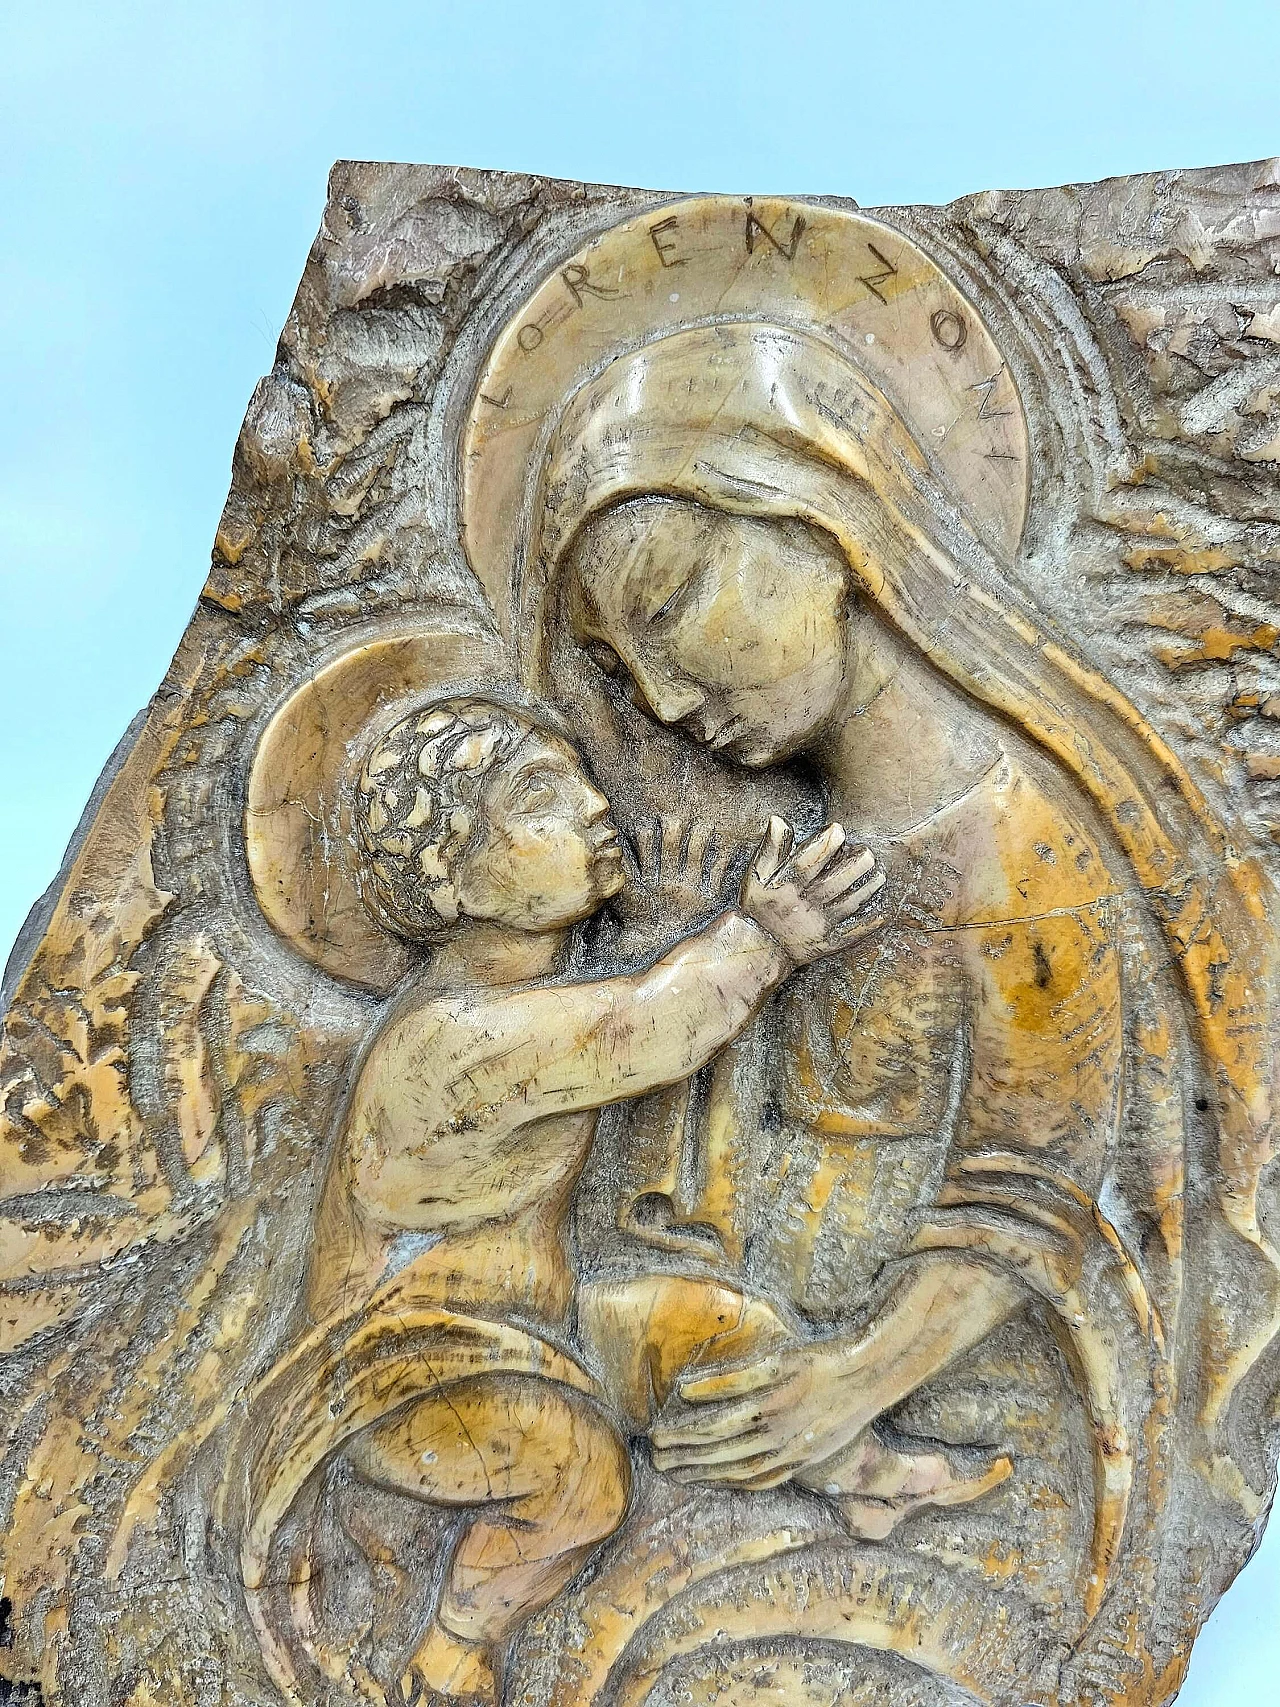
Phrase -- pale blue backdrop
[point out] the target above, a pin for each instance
(163, 175)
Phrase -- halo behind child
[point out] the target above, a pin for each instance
(300, 838)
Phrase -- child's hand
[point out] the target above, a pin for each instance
(808, 900)
(679, 877)
(683, 860)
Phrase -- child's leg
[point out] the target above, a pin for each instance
(551, 1479)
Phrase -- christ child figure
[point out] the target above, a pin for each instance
(469, 1122)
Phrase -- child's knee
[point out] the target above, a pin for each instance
(643, 1334)
(607, 1478)
(585, 1491)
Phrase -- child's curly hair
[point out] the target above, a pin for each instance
(417, 809)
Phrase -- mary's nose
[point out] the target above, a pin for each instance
(669, 699)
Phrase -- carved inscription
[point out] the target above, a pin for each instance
(757, 229)
(874, 280)
(949, 328)
(578, 285)
(662, 236)
(987, 389)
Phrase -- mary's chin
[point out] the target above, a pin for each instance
(753, 753)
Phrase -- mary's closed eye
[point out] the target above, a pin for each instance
(670, 603)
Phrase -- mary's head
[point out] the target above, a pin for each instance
(732, 627)
(723, 509)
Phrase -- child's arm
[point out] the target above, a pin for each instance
(555, 1049)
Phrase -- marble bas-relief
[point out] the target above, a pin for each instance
(652, 1081)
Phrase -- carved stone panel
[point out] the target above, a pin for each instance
(653, 1082)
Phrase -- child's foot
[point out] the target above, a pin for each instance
(876, 1486)
(449, 1667)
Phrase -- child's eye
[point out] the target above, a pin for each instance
(535, 791)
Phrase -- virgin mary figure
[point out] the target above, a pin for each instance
(992, 1165)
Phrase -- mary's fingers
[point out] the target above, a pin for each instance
(647, 848)
(773, 850)
(675, 833)
(718, 1422)
(714, 862)
(695, 1453)
(695, 853)
(761, 1471)
(772, 1477)
(728, 1383)
(841, 875)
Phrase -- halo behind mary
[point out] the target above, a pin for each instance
(859, 282)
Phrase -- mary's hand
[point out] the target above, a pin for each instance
(682, 860)
(756, 1425)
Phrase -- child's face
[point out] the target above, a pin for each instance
(549, 854)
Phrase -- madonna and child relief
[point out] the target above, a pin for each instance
(652, 1081)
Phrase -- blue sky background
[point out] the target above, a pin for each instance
(164, 173)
